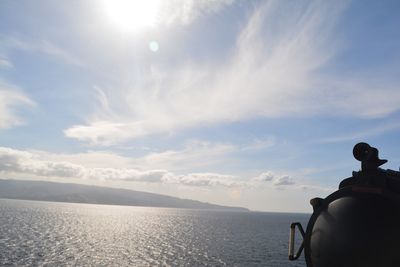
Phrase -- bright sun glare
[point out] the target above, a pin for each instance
(132, 15)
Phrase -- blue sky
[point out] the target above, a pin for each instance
(248, 103)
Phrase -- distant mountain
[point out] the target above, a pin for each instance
(77, 193)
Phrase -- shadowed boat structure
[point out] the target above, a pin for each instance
(359, 224)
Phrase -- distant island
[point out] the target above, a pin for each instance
(78, 193)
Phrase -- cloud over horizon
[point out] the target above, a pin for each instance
(14, 161)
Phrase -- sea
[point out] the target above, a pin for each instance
(34, 233)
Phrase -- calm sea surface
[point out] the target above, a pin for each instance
(63, 234)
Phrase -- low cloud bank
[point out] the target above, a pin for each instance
(14, 161)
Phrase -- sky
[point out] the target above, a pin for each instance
(243, 103)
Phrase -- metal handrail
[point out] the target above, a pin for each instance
(292, 239)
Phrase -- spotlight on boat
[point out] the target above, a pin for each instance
(359, 224)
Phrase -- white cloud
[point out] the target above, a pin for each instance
(43, 46)
(271, 73)
(284, 180)
(275, 70)
(90, 159)
(265, 177)
(186, 11)
(5, 63)
(365, 97)
(11, 99)
(274, 179)
(204, 179)
(260, 193)
(17, 161)
(362, 134)
(259, 144)
(195, 154)
(47, 165)
(53, 50)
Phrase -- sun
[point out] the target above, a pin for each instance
(132, 15)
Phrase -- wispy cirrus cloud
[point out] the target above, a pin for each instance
(5, 63)
(275, 71)
(11, 101)
(12, 98)
(363, 134)
(253, 82)
(10, 43)
(260, 143)
(186, 11)
(195, 154)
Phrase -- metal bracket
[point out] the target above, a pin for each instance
(292, 239)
